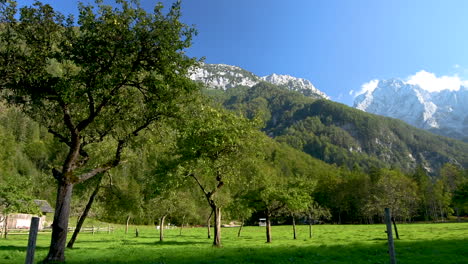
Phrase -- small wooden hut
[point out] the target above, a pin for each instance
(23, 221)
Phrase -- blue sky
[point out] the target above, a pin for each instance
(338, 45)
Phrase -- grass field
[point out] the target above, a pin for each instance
(419, 243)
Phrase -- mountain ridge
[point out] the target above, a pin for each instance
(223, 76)
(342, 135)
(444, 112)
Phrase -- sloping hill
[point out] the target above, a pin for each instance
(339, 134)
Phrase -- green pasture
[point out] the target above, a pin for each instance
(419, 243)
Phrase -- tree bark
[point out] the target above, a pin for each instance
(294, 226)
(217, 227)
(60, 225)
(161, 228)
(126, 226)
(240, 228)
(208, 223)
(84, 215)
(268, 228)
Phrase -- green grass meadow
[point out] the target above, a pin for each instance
(419, 243)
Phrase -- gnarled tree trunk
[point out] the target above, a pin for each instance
(217, 227)
(60, 225)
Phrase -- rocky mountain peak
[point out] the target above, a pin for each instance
(222, 76)
(444, 112)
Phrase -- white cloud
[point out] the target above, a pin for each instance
(367, 87)
(430, 82)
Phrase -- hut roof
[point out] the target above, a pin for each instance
(44, 206)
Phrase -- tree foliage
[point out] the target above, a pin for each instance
(94, 83)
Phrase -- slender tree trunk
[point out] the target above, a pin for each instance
(442, 214)
(84, 214)
(310, 228)
(294, 226)
(5, 229)
(126, 226)
(161, 228)
(426, 216)
(208, 223)
(60, 224)
(217, 227)
(240, 228)
(268, 228)
(182, 225)
(395, 227)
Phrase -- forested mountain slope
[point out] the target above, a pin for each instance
(339, 134)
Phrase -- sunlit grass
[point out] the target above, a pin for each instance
(419, 243)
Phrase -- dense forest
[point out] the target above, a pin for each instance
(153, 181)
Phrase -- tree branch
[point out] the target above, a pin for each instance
(199, 184)
(118, 153)
(61, 137)
(92, 173)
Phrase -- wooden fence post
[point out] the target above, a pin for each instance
(32, 240)
(391, 246)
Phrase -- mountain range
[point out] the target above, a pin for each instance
(296, 113)
(444, 112)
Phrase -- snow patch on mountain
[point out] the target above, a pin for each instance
(295, 84)
(222, 76)
(443, 111)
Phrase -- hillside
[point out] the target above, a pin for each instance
(339, 134)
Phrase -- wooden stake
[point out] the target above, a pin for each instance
(32, 240)
(391, 246)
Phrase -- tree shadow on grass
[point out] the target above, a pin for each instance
(83, 243)
(165, 243)
(20, 248)
(433, 251)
